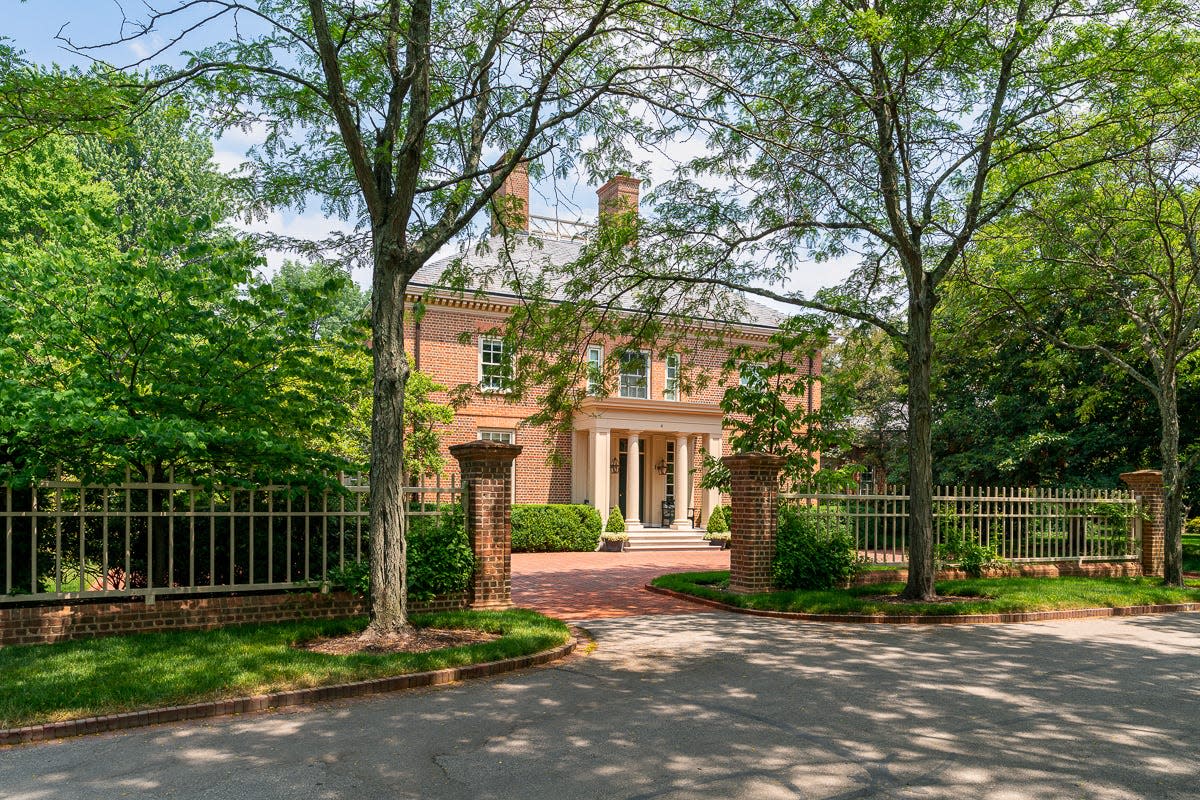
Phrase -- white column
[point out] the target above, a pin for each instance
(682, 483)
(599, 446)
(633, 482)
(581, 464)
(712, 497)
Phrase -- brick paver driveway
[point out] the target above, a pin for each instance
(578, 586)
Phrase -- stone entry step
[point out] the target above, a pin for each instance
(663, 539)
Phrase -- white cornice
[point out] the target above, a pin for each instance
(501, 304)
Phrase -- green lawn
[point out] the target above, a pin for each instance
(68, 680)
(986, 595)
(1191, 553)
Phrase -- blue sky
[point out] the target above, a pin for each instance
(33, 25)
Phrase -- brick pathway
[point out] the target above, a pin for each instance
(576, 586)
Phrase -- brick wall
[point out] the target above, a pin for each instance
(1057, 569)
(41, 624)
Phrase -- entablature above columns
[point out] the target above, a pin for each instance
(649, 416)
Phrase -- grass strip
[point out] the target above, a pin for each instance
(980, 595)
(92, 677)
(1191, 553)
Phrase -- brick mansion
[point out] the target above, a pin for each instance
(637, 447)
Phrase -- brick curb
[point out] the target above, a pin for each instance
(956, 619)
(277, 700)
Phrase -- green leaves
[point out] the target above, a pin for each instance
(167, 353)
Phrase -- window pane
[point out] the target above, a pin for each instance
(671, 386)
(595, 357)
(493, 364)
(635, 374)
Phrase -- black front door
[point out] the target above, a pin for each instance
(623, 478)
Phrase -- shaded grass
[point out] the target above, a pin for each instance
(91, 677)
(982, 595)
(1191, 553)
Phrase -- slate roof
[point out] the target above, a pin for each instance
(536, 256)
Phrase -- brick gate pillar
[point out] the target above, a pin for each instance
(486, 469)
(1147, 487)
(754, 493)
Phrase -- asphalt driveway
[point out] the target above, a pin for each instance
(711, 705)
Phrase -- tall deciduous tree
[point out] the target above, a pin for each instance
(405, 117)
(1129, 233)
(161, 167)
(893, 130)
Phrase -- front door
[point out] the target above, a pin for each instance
(623, 478)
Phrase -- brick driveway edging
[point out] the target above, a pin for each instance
(277, 700)
(945, 619)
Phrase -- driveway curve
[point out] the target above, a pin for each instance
(710, 705)
(583, 586)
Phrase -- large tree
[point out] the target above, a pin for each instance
(892, 130)
(406, 118)
(1125, 236)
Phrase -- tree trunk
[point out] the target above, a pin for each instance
(921, 571)
(389, 547)
(1173, 480)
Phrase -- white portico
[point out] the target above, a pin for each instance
(641, 456)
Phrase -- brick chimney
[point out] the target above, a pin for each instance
(512, 200)
(619, 195)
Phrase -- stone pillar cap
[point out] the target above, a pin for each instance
(482, 450)
(753, 458)
(1141, 474)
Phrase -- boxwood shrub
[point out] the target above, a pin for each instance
(555, 528)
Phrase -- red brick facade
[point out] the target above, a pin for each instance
(449, 339)
(445, 344)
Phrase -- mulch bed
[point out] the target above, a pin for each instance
(420, 640)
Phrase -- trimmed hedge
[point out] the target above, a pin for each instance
(555, 528)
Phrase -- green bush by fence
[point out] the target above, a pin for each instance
(440, 560)
(813, 550)
(553, 528)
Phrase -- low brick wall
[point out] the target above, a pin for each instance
(1058, 569)
(41, 624)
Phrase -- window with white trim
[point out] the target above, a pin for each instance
(495, 364)
(750, 374)
(503, 437)
(671, 384)
(595, 367)
(635, 374)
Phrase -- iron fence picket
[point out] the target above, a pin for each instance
(1023, 524)
(75, 531)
